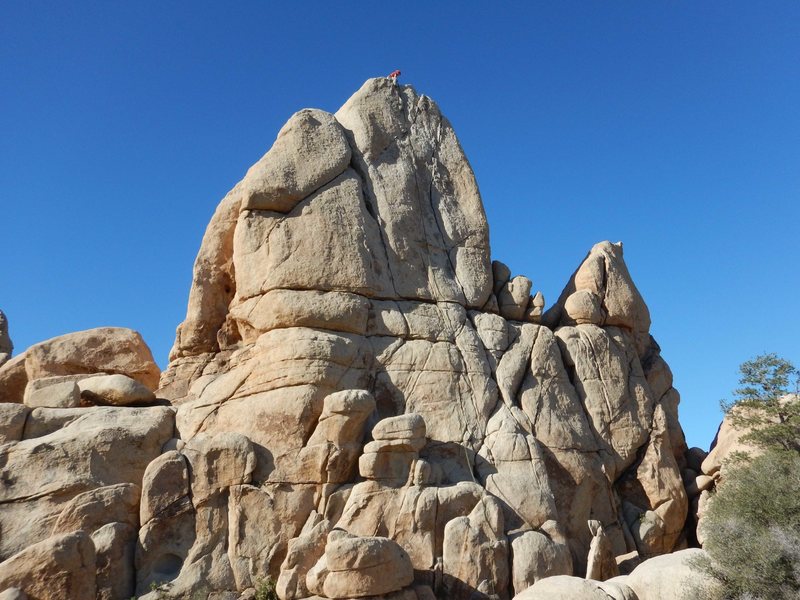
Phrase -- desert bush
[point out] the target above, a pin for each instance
(752, 524)
(752, 529)
(265, 589)
(770, 416)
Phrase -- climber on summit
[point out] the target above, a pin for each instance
(394, 75)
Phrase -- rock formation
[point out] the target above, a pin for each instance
(364, 403)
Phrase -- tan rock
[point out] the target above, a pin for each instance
(165, 483)
(583, 307)
(410, 426)
(618, 589)
(670, 577)
(604, 273)
(494, 333)
(213, 283)
(92, 510)
(514, 297)
(535, 308)
(364, 566)
(44, 421)
(101, 350)
(601, 563)
(303, 553)
(331, 453)
(514, 471)
(475, 552)
(163, 546)
(116, 390)
(436, 238)
(114, 546)
(337, 311)
(311, 150)
(62, 566)
(105, 446)
(389, 467)
(13, 593)
(612, 387)
(52, 392)
(218, 461)
(12, 421)
(270, 252)
(660, 489)
(727, 442)
(500, 276)
(536, 556)
(368, 296)
(13, 379)
(563, 587)
(669, 403)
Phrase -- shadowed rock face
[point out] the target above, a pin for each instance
(6, 347)
(353, 366)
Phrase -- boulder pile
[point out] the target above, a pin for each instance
(360, 402)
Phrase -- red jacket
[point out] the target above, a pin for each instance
(395, 74)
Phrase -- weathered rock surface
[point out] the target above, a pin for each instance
(52, 392)
(83, 474)
(62, 566)
(358, 567)
(363, 403)
(564, 587)
(106, 350)
(12, 422)
(115, 390)
(601, 561)
(673, 576)
(727, 442)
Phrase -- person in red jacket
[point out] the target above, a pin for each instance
(394, 75)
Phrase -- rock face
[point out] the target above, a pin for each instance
(365, 405)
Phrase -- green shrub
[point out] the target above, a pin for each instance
(771, 420)
(265, 589)
(752, 529)
(752, 523)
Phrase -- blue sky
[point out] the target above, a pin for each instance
(672, 126)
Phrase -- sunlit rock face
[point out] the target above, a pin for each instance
(358, 384)
(354, 258)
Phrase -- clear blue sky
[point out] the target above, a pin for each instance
(672, 126)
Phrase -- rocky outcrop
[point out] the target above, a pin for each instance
(354, 256)
(72, 470)
(365, 405)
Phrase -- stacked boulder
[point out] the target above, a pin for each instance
(361, 567)
(392, 454)
(78, 426)
(511, 297)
